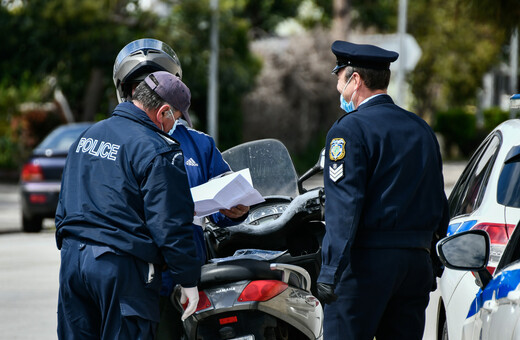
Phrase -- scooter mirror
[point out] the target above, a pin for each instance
(319, 166)
(321, 161)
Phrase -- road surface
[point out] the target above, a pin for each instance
(29, 265)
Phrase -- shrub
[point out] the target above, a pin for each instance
(459, 128)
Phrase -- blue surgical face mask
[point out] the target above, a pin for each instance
(344, 105)
(174, 126)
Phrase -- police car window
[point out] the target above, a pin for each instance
(468, 192)
(457, 194)
(508, 191)
(478, 179)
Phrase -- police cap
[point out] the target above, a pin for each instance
(365, 56)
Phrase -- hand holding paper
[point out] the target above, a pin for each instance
(224, 193)
(235, 212)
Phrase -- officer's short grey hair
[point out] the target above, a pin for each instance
(148, 98)
(374, 79)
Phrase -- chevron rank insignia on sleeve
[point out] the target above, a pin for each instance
(336, 171)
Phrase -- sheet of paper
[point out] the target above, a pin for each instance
(224, 193)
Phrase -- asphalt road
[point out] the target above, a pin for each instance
(29, 266)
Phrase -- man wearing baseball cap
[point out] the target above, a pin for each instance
(125, 211)
(202, 158)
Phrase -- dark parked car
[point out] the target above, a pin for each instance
(40, 179)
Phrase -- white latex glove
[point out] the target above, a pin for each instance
(192, 296)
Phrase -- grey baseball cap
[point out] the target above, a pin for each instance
(172, 90)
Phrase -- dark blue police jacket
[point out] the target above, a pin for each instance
(383, 184)
(124, 185)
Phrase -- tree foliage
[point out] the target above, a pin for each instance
(72, 44)
(75, 42)
(379, 15)
(68, 40)
(188, 29)
(265, 15)
(502, 14)
(457, 52)
(461, 40)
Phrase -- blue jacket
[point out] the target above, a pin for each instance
(124, 185)
(203, 161)
(383, 184)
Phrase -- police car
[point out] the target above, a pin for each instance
(486, 197)
(494, 312)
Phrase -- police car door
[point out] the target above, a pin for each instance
(495, 312)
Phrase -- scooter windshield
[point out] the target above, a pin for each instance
(270, 165)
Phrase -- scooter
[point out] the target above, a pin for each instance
(260, 282)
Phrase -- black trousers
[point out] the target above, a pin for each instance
(383, 293)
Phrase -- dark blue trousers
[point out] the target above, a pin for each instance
(383, 293)
(105, 294)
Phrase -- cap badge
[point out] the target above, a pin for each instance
(337, 149)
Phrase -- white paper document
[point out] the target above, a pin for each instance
(224, 193)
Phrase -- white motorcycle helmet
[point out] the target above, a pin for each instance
(140, 58)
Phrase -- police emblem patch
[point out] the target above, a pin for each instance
(337, 149)
(336, 171)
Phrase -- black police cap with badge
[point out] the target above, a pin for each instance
(364, 56)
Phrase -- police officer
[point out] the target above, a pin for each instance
(385, 203)
(202, 159)
(125, 209)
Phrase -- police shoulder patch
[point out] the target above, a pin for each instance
(337, 149)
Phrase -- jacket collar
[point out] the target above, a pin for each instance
(380, 99)
(130, 111)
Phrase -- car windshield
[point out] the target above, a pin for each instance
(508, 192)
(269, 163)
(61, 138)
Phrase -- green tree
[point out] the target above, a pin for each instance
(460, 41)
(188, 30)
(75, 42)
(265, 15)
(380, 15)
(501, 14)
(457, 51)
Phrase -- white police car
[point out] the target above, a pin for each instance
(486, 197)
(494, 312)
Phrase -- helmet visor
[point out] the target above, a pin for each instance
(143, 45)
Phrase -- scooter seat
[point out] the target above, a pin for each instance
(237, 270)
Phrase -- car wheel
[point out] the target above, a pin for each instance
(32, 225)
